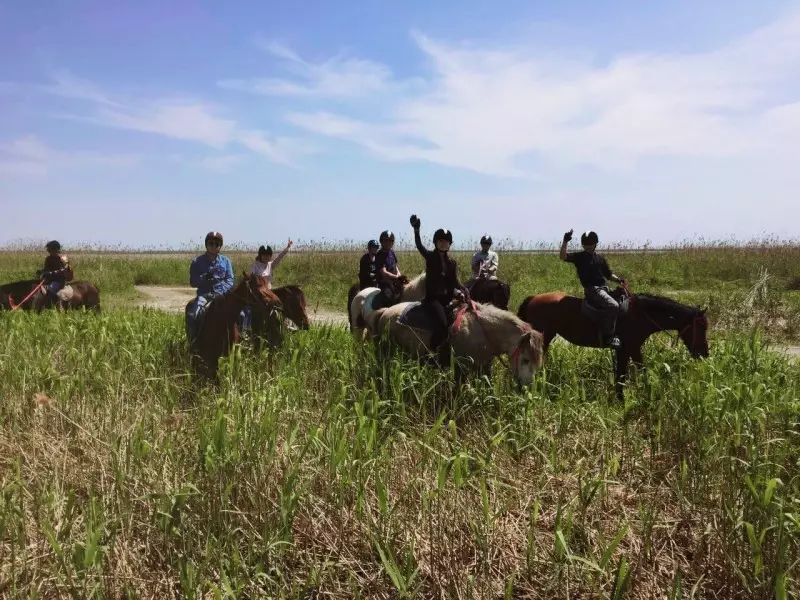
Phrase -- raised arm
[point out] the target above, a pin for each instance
(563, 252)
(416, 223)
(281, 254)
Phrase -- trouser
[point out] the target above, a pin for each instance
(607, 308)
(387, 297)
(194, 317)
(438, 309)
(53, 287)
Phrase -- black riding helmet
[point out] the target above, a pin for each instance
(214, 235)
(443, 234)
(386, 235)
(373, 244)
(589, 238)
(53, 245)
(486, 239)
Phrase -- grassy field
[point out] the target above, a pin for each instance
(316, 472)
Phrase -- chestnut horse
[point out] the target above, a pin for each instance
(557, 313)
(294, 304)
(220, 328)
(84, 295)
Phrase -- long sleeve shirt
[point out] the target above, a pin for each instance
(486, 262)
(441, 273)
(211, 275)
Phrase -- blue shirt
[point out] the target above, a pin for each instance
(220, 269)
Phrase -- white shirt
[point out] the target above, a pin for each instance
(486, 261)
(265, 269)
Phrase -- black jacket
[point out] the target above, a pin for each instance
(367, 272)
(441, 273)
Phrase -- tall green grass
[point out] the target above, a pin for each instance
(315, 471)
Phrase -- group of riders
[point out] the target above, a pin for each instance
(379, 268)
(211, 274)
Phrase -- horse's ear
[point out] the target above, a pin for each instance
(703, 310)
(245, 275)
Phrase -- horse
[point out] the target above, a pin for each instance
(556, 313)
(492, 291)
(294, 304)
(220, 328)
(76, 294)
(359, 303)
(479, 333)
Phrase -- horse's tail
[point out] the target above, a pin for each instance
(522, 312)
(351, 294)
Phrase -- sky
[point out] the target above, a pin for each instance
(146, 124)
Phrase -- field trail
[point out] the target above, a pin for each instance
(174, 299)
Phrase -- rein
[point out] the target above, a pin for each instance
(26, 298)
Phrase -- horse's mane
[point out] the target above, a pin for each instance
(651, 302)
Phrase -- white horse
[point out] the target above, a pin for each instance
(480, 334)
(361, 306)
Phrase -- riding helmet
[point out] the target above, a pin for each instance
(443, 234)
(213, 235)
(53, 245)
(386, 235)
(486, 239)
(589, 238)
(373, 244)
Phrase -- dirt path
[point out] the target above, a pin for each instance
(174, 299)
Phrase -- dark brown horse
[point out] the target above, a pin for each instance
(19, 294)
(559, 314)
(490, 291)
(220, 328)
(294, 304)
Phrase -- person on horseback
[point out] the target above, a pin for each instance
(388, 274)
(593, 270)
(212, 274)
(485, 261)
(264, 264)
(56, 272)
(367, 267)
(441, 280)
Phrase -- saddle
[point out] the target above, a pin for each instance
(421, 316)
(595, 314)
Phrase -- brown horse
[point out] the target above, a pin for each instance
(559, 314)
(77, 294)
(491, 291)
(294, 304)
(220, 328)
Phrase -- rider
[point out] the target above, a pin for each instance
(593, 270)
(388, 273)
(265, 264)
(212, 274)
(367, 267)
(441, 279)
(485, 261)
(57, 270)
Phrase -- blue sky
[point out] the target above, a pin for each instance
(149, 124)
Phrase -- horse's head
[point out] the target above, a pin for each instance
(694, 334)
(527, 356)
(254, 290)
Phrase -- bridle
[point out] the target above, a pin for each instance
(697, 320)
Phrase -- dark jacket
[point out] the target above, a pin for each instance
(441, 273)
(368, 271)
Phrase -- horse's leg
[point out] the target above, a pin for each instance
(621, 358)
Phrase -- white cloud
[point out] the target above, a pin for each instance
(30, 156)
(497, 111)
(337, 77)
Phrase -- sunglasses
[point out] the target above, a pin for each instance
(214, 243)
